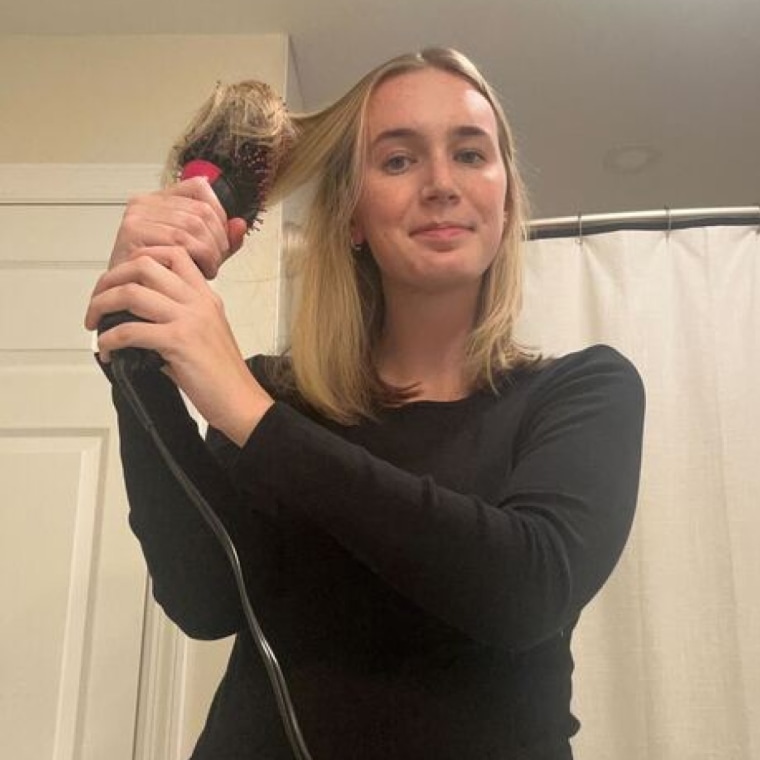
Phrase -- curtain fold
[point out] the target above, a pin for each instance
(668, 654)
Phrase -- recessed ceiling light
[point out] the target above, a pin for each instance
(631, 159)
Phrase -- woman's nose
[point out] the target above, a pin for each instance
(440, 182)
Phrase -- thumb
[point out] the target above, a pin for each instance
(236, 229)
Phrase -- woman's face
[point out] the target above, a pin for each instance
(434, 187)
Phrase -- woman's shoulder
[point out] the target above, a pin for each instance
(599, 368)
(592, 389)
(598, 358)
(273, 372)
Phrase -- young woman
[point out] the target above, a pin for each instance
(422, 508)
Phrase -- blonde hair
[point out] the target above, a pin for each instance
(339, 317)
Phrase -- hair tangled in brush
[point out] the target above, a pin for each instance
(244, 130)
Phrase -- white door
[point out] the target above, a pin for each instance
(72, 580)
(89, 669)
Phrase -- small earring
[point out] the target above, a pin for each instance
(356, 247)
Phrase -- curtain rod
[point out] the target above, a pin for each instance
(662, 219)
(562, 226)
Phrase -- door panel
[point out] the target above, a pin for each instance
(71, 576)
(90, 666)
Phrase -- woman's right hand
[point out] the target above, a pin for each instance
(187, 215)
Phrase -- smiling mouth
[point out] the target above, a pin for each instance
(441, 231)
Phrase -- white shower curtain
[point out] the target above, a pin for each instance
(668, 655)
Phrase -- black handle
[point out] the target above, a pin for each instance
(134, 359)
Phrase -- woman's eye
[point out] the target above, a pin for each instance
(470, 156)
(397, 164)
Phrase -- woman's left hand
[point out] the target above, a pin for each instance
(187, 325)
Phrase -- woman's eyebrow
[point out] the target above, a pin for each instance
(397, 133)
(469, 130)
(400, 133)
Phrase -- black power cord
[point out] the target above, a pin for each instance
(121, 373)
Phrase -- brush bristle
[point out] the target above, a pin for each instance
(244, 130)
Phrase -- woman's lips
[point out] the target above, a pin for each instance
(441, 231)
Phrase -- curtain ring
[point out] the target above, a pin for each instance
(580, 229)
(670, 223)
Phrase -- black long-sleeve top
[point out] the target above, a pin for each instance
(418, 575)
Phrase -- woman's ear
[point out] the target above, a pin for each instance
(357, 236)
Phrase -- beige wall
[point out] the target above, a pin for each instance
(124, 100)
(118, 99)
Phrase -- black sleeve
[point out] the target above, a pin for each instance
(191, 574)
(511, 573)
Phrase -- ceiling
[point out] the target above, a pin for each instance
(617, 105)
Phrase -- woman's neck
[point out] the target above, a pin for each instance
(424, 343)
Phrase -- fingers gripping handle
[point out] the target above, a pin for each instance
(236, 141)
(146, 360)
